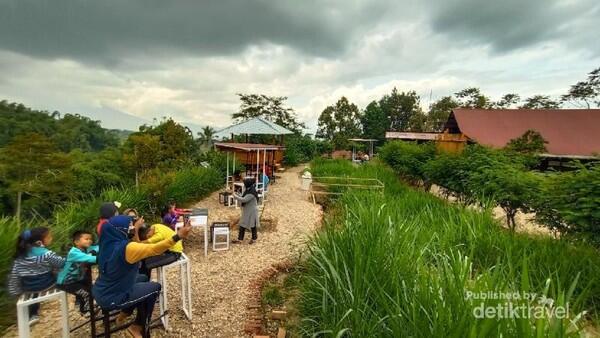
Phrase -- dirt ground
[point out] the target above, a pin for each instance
(220, 280)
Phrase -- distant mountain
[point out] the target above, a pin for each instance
(111, 118)
(121, 134)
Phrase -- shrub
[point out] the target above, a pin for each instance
(511, 188)
(407, 159)
(570, 203)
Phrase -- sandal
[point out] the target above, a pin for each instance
(235, 241)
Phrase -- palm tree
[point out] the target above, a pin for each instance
(206, 136)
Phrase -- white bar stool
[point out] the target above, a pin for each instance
(46, 295)
(186, 288)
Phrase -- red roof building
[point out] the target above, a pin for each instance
(569, 132)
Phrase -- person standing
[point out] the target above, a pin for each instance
(249, 219)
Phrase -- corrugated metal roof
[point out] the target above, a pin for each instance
(568, 131)
(253, 126)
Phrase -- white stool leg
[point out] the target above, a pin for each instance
(163, 277)
(64, 308)
(188, 272)
(206, 240)
(23, 320)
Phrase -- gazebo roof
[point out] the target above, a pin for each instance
(248, 146)
(254, 126)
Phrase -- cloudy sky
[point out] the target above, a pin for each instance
(124, 62)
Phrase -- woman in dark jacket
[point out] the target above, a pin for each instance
(249, 219)
(117, 287)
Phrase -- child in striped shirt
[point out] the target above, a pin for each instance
(34, 266)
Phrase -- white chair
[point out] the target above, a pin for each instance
(186, 288)
(39, 297)
(220, 232)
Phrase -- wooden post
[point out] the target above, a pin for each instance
(18, 211)
(227, 177)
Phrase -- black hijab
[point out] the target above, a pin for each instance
(250, 187)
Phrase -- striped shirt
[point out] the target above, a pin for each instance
(38, 262)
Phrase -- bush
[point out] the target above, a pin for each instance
(302, 149)
(570, 203)
(407, 159)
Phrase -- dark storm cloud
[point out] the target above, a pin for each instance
(510, 24)
(109, 31)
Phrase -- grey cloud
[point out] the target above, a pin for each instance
(508, 24)
(116, 31)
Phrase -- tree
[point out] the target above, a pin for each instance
(540, 102)
(142, 153)
(583, 93)
(206, 136)
(176, 145)
(507, 101)
(511, 187)
(439, 112)
(338, 123)
(472, 98)
(399, 108)
(374, 122)
(271, 108)
(531, 142)
(31, 165)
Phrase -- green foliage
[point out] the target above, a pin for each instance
(31, 166)
(68, 133)
(272, 296)
(540, 102)
(407, 159)
(439, 112)
(339, 122)
(531, 142)
(302, 149)
(399, 108)
(570, 203)
(374, 122)
(511, 188)
(271, 108)
(472, 98)
(400, 265)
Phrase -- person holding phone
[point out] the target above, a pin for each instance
(249, 218)
(118, 286)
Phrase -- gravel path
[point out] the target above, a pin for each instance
(220, 281)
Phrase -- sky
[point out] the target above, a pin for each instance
(129, 62)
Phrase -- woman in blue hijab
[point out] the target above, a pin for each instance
(118, 286)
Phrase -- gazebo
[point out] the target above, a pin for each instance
(370, 141)
(258, 158)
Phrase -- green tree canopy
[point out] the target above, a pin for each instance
(472, 98)
(339, 122)
(271, 108)
(374, 122)
(439, 112)
(400, 107)
(540, 102)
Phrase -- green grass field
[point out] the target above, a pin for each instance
(408, 264)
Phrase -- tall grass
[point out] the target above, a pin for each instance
(401, 265)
